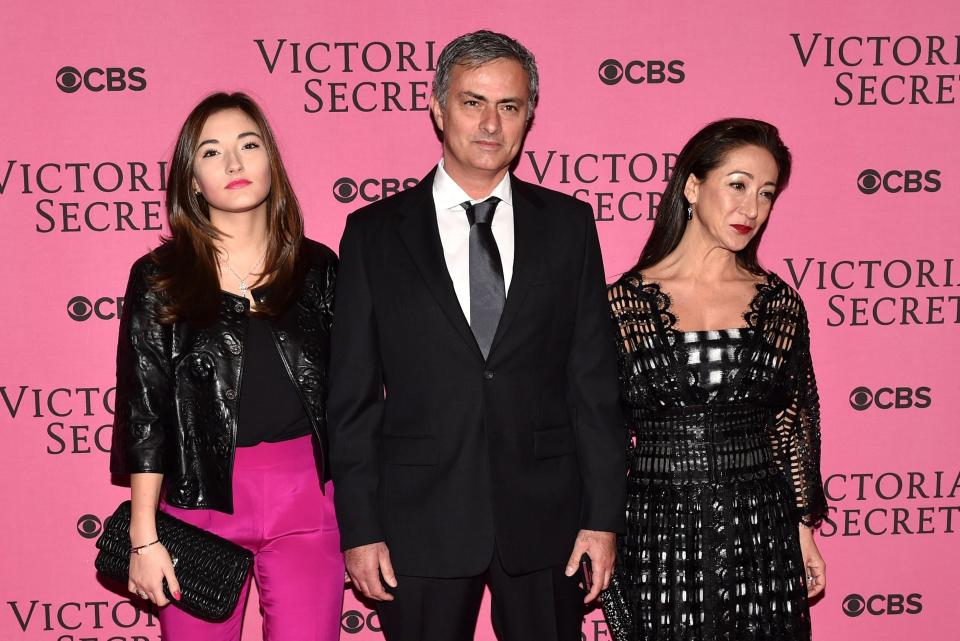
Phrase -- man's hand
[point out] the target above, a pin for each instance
(601, 548)
(365, 564)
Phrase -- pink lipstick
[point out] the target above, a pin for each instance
(240, 183)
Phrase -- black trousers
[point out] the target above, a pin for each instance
(540, 606)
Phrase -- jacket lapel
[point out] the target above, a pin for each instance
(528, 221)
(420, 234)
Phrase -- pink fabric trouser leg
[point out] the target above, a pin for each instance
(281, 515)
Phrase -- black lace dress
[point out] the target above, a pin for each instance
(724, 454)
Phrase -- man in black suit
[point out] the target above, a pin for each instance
(475, 433)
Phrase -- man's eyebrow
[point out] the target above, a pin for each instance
(482, 98)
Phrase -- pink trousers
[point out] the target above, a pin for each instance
(281, 516)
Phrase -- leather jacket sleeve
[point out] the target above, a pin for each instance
(142, 411)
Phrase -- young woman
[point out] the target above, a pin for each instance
(222, 378)
(715, 370)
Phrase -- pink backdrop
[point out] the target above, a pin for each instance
(865, 94)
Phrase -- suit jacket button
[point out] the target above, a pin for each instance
(230, 394)
(282, 336)
(488, 375)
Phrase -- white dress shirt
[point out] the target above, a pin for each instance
(454, 227)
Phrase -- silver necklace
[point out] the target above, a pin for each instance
(243, 286)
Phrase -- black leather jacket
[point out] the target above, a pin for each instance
(178, 385)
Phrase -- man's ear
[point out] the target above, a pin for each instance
(437, 111)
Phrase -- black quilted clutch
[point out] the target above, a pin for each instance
(210, 569)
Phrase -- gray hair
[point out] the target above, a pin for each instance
(478, 48)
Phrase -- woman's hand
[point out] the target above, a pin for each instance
(813, 563)
(152, 564)
(148, 569)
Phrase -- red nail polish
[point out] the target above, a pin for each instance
(176, 595)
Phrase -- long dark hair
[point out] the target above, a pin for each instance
(702, 153)
(188, 276)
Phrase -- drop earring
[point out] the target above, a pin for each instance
(689, 212)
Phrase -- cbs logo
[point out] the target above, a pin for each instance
(885, 398)
(652, 72)
(346, 190)
(71, 79)
(80, 308)
(854, 605)
(909, 181)
(353, 622)
(89, 526)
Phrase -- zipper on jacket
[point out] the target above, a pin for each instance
(306, 407)
(236, 413)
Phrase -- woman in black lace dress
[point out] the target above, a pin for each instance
(716, 375)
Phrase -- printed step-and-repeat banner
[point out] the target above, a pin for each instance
(865, 94)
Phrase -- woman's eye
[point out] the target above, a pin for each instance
(251, 145)
(737, 186)
(208, 153)
(767, 194)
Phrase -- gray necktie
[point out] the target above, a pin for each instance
(487, 290)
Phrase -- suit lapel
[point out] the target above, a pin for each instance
(528, 221)
(420, 234)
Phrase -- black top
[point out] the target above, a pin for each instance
(713, 356)
(270, 409)
(775, 376)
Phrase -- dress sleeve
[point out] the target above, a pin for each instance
(797, 429)
(623, 310)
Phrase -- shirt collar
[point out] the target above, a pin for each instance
(447, 194)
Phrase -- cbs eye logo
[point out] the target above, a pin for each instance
(879, 604)
(81, 308)
(908, 181)
(651, 72)
(69, 79)
(885, 398)
(89, 526)
(346, 190)
(353, 622)
(96, 79)
(853, 605)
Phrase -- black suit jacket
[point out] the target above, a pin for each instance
(441, 454)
